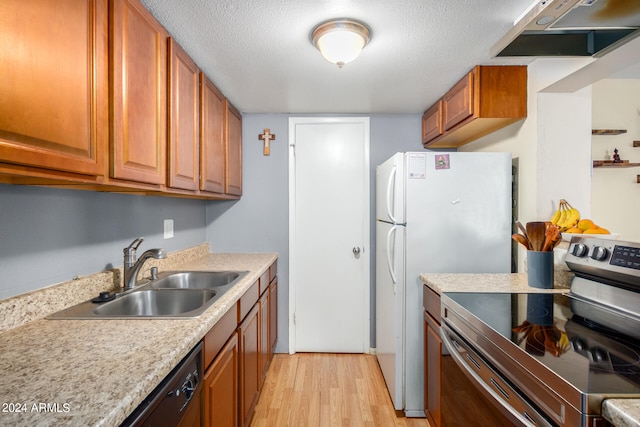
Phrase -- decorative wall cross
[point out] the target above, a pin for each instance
(266, 137)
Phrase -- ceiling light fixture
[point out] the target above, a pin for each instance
(340, 41)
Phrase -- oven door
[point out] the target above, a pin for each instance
(498, 403)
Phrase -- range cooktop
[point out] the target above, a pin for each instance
(592, 358)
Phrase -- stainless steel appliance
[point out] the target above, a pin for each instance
(551, 359)
(571, 28)
(176, 400)
(433, 209)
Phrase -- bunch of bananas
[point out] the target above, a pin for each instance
(566, 216)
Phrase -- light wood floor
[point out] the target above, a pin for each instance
(333, 390)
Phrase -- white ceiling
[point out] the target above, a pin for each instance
(258, 52)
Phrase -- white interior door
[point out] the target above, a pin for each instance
(329, 234)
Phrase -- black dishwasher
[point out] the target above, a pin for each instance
(176, 401)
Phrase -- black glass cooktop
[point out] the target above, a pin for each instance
(592, 358)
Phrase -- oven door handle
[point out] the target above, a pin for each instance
(526, 419)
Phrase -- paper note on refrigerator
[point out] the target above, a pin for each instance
(417, 166)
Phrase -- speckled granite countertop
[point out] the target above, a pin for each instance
(619, 412)
(622, 412)
(498, 282)
(96, 372)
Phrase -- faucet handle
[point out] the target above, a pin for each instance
(134, 245)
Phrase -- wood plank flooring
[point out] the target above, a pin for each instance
(332, 390)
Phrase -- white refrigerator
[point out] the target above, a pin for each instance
(436, 212)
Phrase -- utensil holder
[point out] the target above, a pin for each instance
(540, 269)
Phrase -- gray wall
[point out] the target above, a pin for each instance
(50, 235)
(259, 221)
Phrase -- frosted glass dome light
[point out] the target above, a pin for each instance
(340, 41)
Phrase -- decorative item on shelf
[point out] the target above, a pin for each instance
(616, 156)
(617, 161)
(539, 238)
(266, 138)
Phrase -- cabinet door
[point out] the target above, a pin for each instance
(249, 334)
(457, 104)
(273, 314)
(184, 119)
(432, 122)
(139, 88)
(432, 365)
(265, 349)
(212, 137)
(233, 152)
(220, 388)
(54, 105)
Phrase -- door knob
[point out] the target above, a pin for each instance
(356, 251)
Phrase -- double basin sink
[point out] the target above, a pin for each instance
(177, 294)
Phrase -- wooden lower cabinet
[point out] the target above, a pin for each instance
(249, 335)
(220, 391)
(237, 352)
(265, 348)
(432, 352)
(432, 369)
(273, 314)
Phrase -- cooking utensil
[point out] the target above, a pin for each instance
(551, 237)
(536, 234)
(522, 240)
(522, 230)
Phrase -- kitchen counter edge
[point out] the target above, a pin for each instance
(489, 282)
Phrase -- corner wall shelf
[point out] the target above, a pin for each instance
(610, 164)
(608, 131)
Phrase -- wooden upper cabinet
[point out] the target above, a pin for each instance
(138, 98)
(432, 122)
(233, 151)
(457, 104)
(486, 99)
(184, 120)
(54, 85)
(212, 137)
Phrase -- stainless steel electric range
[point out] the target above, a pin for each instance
(551, 359)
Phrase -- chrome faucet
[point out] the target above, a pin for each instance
(133, 266)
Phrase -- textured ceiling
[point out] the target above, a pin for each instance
(258, 53)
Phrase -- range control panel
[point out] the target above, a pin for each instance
(612, 259)
(626, 256)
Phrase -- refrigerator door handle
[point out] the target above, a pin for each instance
(390, 190)
(392, 273)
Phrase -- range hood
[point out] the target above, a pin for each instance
(571, 28)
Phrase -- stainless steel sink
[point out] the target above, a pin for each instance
(197, 279)
(155, 303)
(174, 294)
